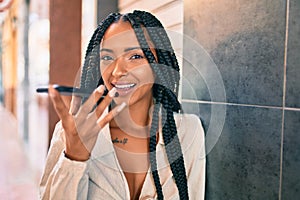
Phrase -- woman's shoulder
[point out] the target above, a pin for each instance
(190, 122)
(190, 131)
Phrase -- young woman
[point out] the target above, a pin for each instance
(131, 144)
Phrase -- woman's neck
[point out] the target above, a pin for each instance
(135, 119)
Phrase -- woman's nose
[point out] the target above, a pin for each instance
(119, 68)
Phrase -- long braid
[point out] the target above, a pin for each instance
(163, 46)
(163, 92)
(169, 129)
(174, 150)
(155, 119)
(152, 148)
(166, 55)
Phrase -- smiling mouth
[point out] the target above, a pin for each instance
(124, 88)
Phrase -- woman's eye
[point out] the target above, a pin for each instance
(106, 58)
(136, 56)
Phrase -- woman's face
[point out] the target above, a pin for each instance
(124, 66)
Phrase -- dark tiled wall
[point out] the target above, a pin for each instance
(293, 56)
(254, 150)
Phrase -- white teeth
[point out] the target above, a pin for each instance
(125, 86)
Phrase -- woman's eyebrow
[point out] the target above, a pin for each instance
(108, 50)
(125, 50)
(131, 48)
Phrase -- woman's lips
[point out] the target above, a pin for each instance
(124, 88)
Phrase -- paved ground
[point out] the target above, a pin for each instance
(20, 163)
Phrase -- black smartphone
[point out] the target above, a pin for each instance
(66, 90)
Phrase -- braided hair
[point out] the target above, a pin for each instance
(165, 88)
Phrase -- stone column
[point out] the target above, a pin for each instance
(65, 47)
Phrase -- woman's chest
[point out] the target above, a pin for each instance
(132, 152)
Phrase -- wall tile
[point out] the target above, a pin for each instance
(252, 68)
(193, 84)
(293, 62)
(246, 42)
(244, 164)
(291, 156)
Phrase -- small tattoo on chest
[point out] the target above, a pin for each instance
(120, 141)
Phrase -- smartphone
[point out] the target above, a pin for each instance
(66, 90)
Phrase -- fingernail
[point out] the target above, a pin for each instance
(121, 107)
(112, 92)
(101, 89)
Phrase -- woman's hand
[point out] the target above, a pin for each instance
(81, 123)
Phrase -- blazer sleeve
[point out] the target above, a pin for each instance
(63, 178)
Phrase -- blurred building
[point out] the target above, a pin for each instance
(8, 49)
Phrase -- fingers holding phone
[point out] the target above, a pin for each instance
(82, 123)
